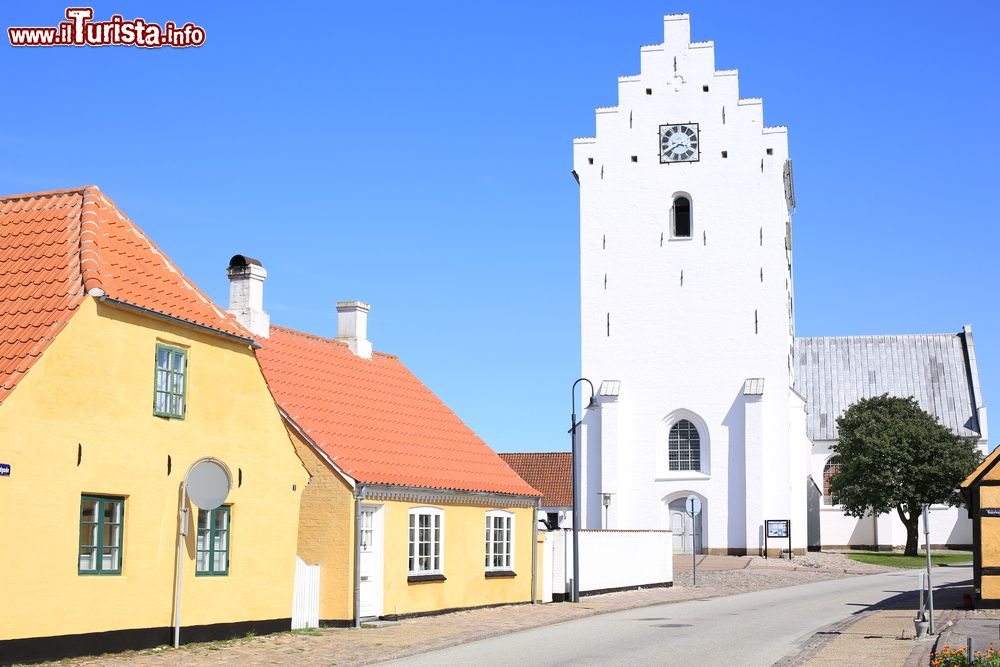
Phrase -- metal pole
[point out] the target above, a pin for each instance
(577, 508)
(534, 553)
(930, 585)
(694, 558)
(182, 529)
(920, 606)
(575, 596)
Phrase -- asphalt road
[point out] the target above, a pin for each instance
(748, 629)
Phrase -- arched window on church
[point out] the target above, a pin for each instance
(684, 446)
(832, 466)
(681, 217)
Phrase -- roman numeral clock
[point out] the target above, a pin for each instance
(679, 143)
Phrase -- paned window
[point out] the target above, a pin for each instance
(101, 535)
(499, 541)
(213, 542)
(829, 470)
(684, 446)
(426, 541)
(170, 382)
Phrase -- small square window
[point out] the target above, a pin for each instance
(100, 535)
(649, 91)
(770, 151)
(635, 158)
(704, 89)
(590, 160)
(212, 556)
(725, 154)
(170, 382)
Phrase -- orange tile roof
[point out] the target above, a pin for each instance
(375, 420)
(55, 247)
(549, 472)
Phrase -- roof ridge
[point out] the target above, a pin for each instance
(47, 193)
(306, 334)
(87, 235)
(897, 335)
(324, 339)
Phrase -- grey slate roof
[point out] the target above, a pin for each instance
(832, 372)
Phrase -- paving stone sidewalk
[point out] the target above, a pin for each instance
(883, 635)
(982, 625)
(717, 575)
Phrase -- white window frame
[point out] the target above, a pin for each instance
(436, 521)
(507, 564)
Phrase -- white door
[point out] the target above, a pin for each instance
(371, 561)
(686, 533)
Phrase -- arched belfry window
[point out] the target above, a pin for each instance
(832, 466)
(684, 446)
(681, 217)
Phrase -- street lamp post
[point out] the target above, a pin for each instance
(576, 487)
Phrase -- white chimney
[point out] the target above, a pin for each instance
(246, 294)
(352, 327)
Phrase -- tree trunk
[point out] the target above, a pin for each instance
(912, 523)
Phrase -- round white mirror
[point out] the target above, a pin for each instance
(208, 484)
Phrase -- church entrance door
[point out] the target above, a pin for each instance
(687, 533)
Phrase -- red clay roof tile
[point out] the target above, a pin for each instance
(376, 420)
(55, 246)
(549, 472)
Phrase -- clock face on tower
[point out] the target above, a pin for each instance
(679, 143)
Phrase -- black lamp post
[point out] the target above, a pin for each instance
(576, 486)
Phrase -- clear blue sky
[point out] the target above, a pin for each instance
(417, 156)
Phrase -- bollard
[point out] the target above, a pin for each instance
(968, 650)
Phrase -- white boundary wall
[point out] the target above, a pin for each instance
(609, 559)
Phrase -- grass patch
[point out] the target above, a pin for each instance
(893, 559)
(311, 632)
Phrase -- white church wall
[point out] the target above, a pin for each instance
(800, 448)
(950, 526)
(683, 322)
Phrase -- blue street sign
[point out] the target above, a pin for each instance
(4, 470)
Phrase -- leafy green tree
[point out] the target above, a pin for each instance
(893, 455)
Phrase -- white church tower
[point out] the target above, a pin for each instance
(686, 307)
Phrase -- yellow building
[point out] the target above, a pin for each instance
(117, 375)
(398, 483)
(981, 493)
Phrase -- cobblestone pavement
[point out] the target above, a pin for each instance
(982, 625)
(717, 575)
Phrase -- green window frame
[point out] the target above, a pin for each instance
(101, 522)
(170, 382)
(212, 557)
